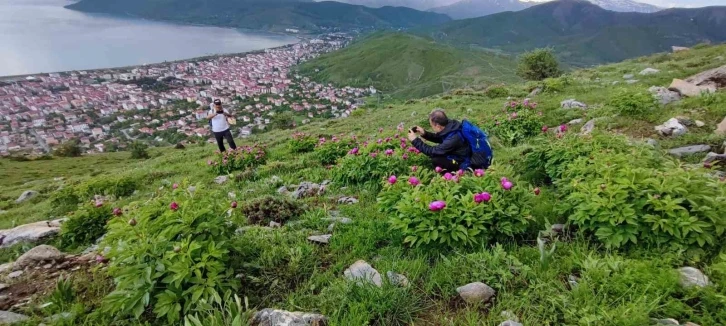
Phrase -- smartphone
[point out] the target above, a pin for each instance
(413, 129)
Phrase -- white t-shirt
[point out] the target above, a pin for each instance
(219, 122)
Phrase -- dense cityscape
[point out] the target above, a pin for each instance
(167, 103)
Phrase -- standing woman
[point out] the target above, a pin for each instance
(220, 127)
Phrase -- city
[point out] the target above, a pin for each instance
(167, 103)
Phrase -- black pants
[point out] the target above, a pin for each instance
(447, 164)
(221, 136)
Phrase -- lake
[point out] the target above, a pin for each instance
(41, 36)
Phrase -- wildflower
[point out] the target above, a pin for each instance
(507, 185)
(374, 154)
(174, 186)
(404, 156)
(389, 152)
(479, 172)
(388, 139)
(353, 151)
(380, 130)
(545, 128)
(414, 168)
(174, 206)
(437, 206)
(234, 204)
(379, 141)
(132, 222)
(482, 197)
(448, 176)
(514, 115)
(99, 203)
(563, 128)
(537, 191)
(392, 179)
(707, 165)
(460, 173)
(414, 181)
(438, 169)
(101, 259)
(117, 212)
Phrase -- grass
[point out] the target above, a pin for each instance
(279, 268)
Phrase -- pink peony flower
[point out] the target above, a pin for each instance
(234, 204)
(479, 173)
(414, 168)
(379, 141)
(392, 179)
(545, 128)
(174, 206)
(537, 191)
(485, 196)
(514, 115)
(507, 185)
(117, 212)
(380, 130)
(389, 152)
(387, 140)
(414, 181)
(101, 259)
(563, 128)
(404, 156)
(437, 206)
(174, 186)
(438, 169)
(99, 203)
(353, 151)
(374, 154)
(448, 176)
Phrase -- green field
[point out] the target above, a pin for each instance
(626, 284)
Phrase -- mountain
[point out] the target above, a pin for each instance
(478, 8)
(415, 4)
(409, 66)
(275, 15)
(585, 34)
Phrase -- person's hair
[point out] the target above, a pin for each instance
(438, 116)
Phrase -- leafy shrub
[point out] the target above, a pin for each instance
(85, 226)
(538, 64)
(467, 219)
(496, 91)
(71, 148)
(284, 120)
(519, 123)
(263, 210)
(555, 85)
(358, 113)
(138, 150)
(64, 200)
(370, 167)
(301, 143)
(172, 256)
(119, 186)
(630, 103)
(329, 151)
(239, 159)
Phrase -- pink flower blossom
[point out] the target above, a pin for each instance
(99, 203)
(392, 179)
(437, 206)
(234, 204)
(514, 115)
(404, 156)
(174, 186)
(507, 185)
(389, 152)
(387, 140)
(545, 128)
(117, 212)
(353, 151)
(209, 162)
(174, 206)
(414, 168)
(414, 181)
(479, 172)
(380, 130)
(374, 154)
(460, 173)
(537, 191)
(483, 197)
(379, 141)
(448, 176)
(438, 169)
(563, 128)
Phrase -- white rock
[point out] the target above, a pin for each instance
(324, 239)
(572, 104)
(231, 195)
(221, 179)
(649, 71)
(664, 95)
(331, 227)
(588, 127)
(506, 314)
(362, 272)
(700, 123)
(347, 200)
(671, 128)
(668, 321)
(721, 128)
(274, 317)
(476, 292)
(37, 255)
(575, 122)
(274, 224)
(29, 232)
(687, 89)
(688, 150)
(631, 81)
(15, 274)
(3, 286)
(691, 277)
(397, 279)
(628, 76)
(7, 317)
(26, 195)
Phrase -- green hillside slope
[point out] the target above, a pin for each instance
(584, 34)
(407, 66)
(275, 15)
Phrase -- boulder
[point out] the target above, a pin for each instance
(38, 255)
(688, 150)
(648, 71)
(534, 92)
(575, 122)
(709, 80)
(713, 157)
(274, 317)
(7, 317)
(221, 179)
(572, 104)
(588, 127)
(687, 89)
(664, 95)
(307, 189)
(15, 274)
(628, 76)
(26, 195)
(651, 142)
(347, 200)
(282, 190)
(631, 81)
(29, 232)
(397, 279)
(362, 272)
(671, 128)
(691, 277)
(476, 292)
(679, 48)
(721, 128)
(322, 239)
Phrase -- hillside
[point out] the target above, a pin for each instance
(275, 15)
(407, 66)
(415, 4)
(478, 8)
(584, 34)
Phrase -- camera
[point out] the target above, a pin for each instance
(414, 129)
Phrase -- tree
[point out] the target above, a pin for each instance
(70, 148)
(538, 64)
(283, 120)
(138, 150)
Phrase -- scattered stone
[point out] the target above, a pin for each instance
(274, 224)
(362, 272)
(557, 228)
(664, 95)
(221, 179)
(572, 104)
(686, 121)
(331, 227)
(476, 292)
(671, 128)
(713, 157)
(47, 266)
(6, 268)
(687, 89)
(3, 286)
(192, 189)
(15, 274)
(323, 239)
(7, 317)
(649, 71)
(274, 317)
(26, 195)
(679, 48)
(506, 314)
(572, 280)
(2, 212)
(307, 189)
(628, 76)
(58, 317)
(651, 142)
(700, 123)
(535, 91)
(631, 81)
(721, 128)
(231, 195)
(510, 323)
(39, 254)
(668, 321)
(325, 182)
(710, 80)
(282, 190)
(347, 200)
(179, 146)
(588, 127)
(339, 219)
(615, 82)
(397, 279)
(695, 149)
(575, 122)
(691, 277)
(32, 232)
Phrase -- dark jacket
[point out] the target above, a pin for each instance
(450, 143)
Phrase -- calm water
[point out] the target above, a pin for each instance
(42, 36)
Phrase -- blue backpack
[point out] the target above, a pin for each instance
(481, 151)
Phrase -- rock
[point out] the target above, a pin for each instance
(2, 212)
(347, 200)
(664, 95)
(679, 48)
(691, 277)
(721, 128)
(631, 81)
(192, 189)
(58, 317)
(274, 224)
(588, 127)
(26, 195)
(668, 321)
(572, 104)
(324, 239)
(362, 272)
(685, 121)
(307, 189)
(339, 219)
(510, 323)
(695, 149)
(710, 80)
(274, 317)
(397, 279)
(221, 179)
(7, 317)
(651, 142)
(534, 92)
(179, 146)
(15, 274)
(3, 286)
(476, 292)
(557, 228)
(39, 254)
(649, 71)
(29, 232)
(572, 280)
(331, 227)
(506, 314)
(575, 122)
(691, 324)
(325, 182)
(6, 268)
(628, 76)
(713, 157)
(700, 123)
(687, 89)
(671, 128)
(282, 190)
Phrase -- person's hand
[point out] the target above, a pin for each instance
(412, 135)
(420, 131)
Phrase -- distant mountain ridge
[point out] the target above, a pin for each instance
(275, 15)
(415, 4)
(585, 34)
(479, 8)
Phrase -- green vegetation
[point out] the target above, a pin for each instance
(406, 66)
(538, 64)
(70, 148)
(180, 252)
(139, 150)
